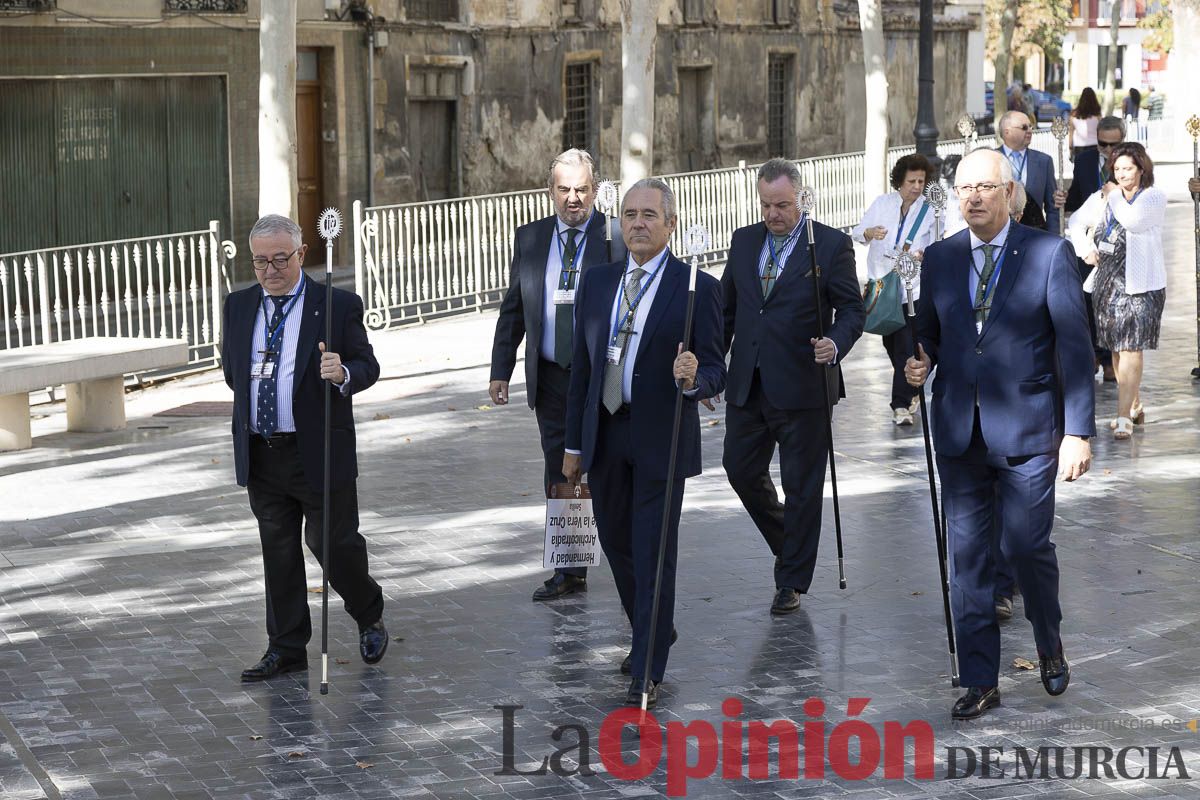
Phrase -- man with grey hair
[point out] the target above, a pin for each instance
(629, 363)
(278, 366)
(549, 256)
(775, 384)
(1032, 169)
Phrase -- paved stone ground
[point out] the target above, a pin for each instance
(132, 597)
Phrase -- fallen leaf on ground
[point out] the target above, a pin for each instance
(316, 590)
(484, 407)
(297, 754)
(254, 737)
(408, 440)
(216, 461)
(1023, 663)
(381, 416)
(341, 661)
(397, 638)
(363, 764)
(917, 594)
(451, 408)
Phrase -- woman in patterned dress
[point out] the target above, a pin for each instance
(1129, 283)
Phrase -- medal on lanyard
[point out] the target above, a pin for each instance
(613, 352)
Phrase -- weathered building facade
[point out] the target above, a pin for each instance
(123, 118)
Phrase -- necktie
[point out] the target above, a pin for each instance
(981, 291)
(564, 314)
(614, 373)
(267, 410)
(771, 272)
(1018, 164)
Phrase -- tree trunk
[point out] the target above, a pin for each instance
(1110, 76)
(875, 140)
(277, 182)
(1003, 64)
(639, 30)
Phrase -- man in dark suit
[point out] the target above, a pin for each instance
(277, 366)
(549, 256)
(1034, 170)
(630, 359)
(1003, 321)
(775, 386)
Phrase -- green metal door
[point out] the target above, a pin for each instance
(88, 160)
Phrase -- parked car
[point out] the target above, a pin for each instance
(1048, 105)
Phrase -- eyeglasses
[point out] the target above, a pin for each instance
(280, 263)
(1023, 127)
(985, 189)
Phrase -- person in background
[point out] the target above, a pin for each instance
(1119, 231)
(896, 221)
(1081, 138)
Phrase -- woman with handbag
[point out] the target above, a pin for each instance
(896, 222)
(1119, 231)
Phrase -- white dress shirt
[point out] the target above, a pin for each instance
(1022, 159)
(885, 211)
(999, 241)
(554, 263)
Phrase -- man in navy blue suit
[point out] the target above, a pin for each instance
(630, 360)
(549, 256)
(1004, 323)
(775, 385)
(277, 365)
(1034, 170)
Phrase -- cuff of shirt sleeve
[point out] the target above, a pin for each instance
(344, 386)
(835, 354)
(571, 452)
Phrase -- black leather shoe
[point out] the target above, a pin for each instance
(1004, 608)
(634, 696)
(787, 601)
(627, 664)
(975, 702)
(373, 642)
(1056, 673)
(560, 584)
(273, 664)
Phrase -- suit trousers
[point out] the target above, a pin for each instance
(977, 486)
(281, 499)
(550, 407)
(792, 529)
(629, 512)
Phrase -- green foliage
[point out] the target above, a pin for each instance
(1161, 27)
(1041, 26)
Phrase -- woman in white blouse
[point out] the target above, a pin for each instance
(1119, 231)
(1085, 157)
(897, 221)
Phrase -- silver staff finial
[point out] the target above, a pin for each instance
(329, 225)
(696, 240)
(806, 199)
(606, 197)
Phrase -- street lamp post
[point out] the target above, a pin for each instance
(926, 131)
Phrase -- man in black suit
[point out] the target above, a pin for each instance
(630, 360)
(549, 256)
(775, 386)
(277, 367)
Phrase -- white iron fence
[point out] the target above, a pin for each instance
(155, 287)
(414, 261)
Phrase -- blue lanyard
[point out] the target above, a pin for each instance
(1110, 218)
(637, 300)
(912, 232)
(273, 335)
(1012, 156)
(564, 277)
(991, 287)
(786, 244)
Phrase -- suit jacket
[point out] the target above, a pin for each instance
(652, 397)
(523, 305)
(774, 334)
(1040, 211)
(1030, 367)
(308, 400)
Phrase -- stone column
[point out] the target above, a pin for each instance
(277, 182)
(875, 140)
(639, 31)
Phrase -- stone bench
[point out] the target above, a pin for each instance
(93, 371)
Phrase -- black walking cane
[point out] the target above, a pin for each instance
(806, 200)
(910, 271)
(329, 226)
(696, 240)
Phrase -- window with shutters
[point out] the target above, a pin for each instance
(579, 106)
(206, 6)
(431, 10)
(25, 6)
(780, 91)
(781, 12)
(693, 12)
